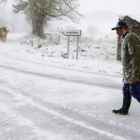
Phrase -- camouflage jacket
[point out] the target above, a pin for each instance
(130, 56)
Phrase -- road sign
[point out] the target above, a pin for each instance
(72, 32)
(69, 33)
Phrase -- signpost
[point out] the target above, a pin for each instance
(72, 32)
(69, 33)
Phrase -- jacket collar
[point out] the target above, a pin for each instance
(125, 33)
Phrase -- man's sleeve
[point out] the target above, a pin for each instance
(134, 51)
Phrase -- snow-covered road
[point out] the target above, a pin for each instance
(45, 101)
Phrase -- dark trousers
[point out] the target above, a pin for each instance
(132, 89)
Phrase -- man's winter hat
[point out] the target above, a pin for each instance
(120, 24)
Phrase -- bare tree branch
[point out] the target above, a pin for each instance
(73, 9)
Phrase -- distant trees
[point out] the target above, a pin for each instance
(40, 12)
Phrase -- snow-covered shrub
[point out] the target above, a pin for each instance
(93, 48)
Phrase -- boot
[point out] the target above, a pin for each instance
(125, 106)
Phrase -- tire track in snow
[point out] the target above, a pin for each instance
(60, 77)
(19, 123)
(48, 108)
(80, 120)
(61, 67)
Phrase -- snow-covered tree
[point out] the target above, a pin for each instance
(40, 12)
(2, 1)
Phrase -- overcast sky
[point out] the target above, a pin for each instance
(117, 6)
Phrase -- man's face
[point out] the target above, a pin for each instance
(119, 31)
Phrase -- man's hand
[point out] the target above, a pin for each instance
(135, 79)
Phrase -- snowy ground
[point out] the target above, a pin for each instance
(48, 98)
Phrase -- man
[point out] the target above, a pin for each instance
(130, 46)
